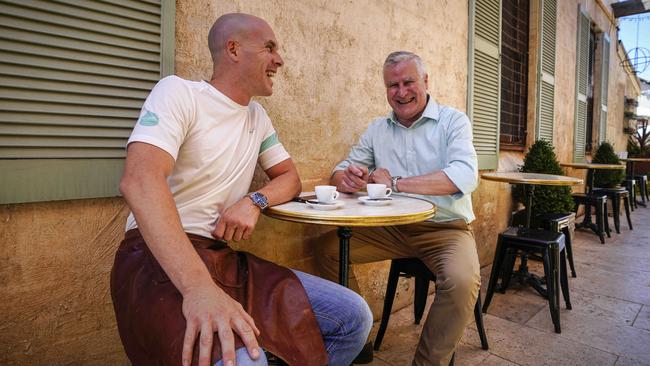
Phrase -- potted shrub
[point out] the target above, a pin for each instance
(541, 158)
(607, 178)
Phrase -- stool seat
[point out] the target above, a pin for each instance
(551, 246)
(414, 267)
(616, 195)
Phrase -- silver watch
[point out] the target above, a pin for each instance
(393, 183)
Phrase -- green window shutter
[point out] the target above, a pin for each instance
(73, 77)
(485, 79)
(604, 79)
(546, 71)
(582, 69)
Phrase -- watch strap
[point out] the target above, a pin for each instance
(394, 183)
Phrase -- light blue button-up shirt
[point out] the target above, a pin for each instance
(440, 140)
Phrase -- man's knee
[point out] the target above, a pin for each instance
(462, 285)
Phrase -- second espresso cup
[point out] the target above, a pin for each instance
(376, 191)
(326, 194)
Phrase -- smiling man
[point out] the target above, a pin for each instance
(180, 294)
(424, 149)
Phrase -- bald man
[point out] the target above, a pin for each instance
(180, 293)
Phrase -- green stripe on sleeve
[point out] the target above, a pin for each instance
(269, 142)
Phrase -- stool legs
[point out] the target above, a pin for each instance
(551, 256)
(564, 280)
(626, 202)
(569, 250)
(494, 275)
(391, 287)
(600, 222)
(420, 301)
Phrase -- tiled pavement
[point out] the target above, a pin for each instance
(609, 323)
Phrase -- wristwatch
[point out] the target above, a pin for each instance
(393, 183)
(259, 200)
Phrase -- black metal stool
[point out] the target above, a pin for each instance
(630, 186)
(616, 195)
(559, 223)
(413, 267)
(599, 202)
(514, 240)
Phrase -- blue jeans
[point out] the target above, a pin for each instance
(343, 316)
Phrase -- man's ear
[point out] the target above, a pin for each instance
(232, 50)
(426, 81)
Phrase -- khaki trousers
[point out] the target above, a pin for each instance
(448, 250)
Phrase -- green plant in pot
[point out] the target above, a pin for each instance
(541, 158)
(606, 178)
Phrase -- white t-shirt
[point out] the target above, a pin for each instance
(215, 143)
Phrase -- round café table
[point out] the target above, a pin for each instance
(630, 162)
(591, 168)
(530, 180)
(402, 210)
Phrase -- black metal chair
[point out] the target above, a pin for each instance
(549, 244)
(616, 195)
(413, 267)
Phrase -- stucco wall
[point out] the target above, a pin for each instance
(55, 257)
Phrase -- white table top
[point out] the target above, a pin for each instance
(401, 210)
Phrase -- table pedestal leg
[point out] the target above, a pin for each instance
(344, 233)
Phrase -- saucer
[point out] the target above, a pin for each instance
(375, 201)
(324, 206)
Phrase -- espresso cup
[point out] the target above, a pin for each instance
(326, 194)
(376, 191)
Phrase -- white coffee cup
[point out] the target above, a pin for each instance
(326, 194)
(378, 191)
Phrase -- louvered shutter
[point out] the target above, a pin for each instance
(485, 79)
(604, 79)
(73, 76)
(582, 69)
(546, 71)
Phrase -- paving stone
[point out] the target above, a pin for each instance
(524, 345)
(598, 332)
(493, 360)
(643, 318)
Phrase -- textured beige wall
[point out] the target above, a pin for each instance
(55, 257)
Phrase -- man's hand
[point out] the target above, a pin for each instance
(207, 309)
(353, 179)
(238, 221)
(381, 176)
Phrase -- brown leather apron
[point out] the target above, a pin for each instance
(148, 307)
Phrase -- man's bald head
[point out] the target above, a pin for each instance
(233, 26)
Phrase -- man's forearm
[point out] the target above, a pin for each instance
(282, 187)
(433, 184)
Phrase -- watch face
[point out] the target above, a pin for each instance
(259, 200)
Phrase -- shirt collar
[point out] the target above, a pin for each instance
(431, 112)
